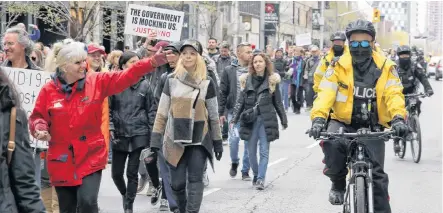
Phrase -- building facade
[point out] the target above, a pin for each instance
(435, 25)
(399, 13)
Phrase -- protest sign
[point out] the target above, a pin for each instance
(28, 84)
(303, 39)
(140, 20)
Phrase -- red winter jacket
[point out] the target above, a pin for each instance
(77, 147)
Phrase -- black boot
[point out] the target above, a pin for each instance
(195, 197)
(233, 171)
(337, 193)
(124, 202)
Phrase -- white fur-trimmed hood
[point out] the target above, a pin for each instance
(273, 80)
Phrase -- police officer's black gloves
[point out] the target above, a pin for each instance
(399, 126)
(317, 126)
(429, 92)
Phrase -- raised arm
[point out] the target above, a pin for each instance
(111, 83)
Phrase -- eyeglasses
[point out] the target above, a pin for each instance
(363, 43)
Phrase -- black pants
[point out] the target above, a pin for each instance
(297, 98)
(153, 172)
(309, 95)
(117, 170)
(335, 169)
(83, 197)
(191, 165)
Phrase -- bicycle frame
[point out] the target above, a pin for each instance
(359, 166)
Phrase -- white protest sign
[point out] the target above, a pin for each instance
(140, 20)
(28, 83)
(303, 39)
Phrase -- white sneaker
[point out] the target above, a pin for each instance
(151, 190)
(164, 205)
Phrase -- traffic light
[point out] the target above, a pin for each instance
(376, 15)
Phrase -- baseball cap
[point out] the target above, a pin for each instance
(92, 48)
(175, 47)
(194, 44)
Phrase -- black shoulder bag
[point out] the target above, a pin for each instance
(250, 115)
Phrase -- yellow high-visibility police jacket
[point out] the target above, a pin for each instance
(323, 65)
(336, 91)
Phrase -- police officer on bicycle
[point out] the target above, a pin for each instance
(409, 72)
(338, 49)
(364, 91)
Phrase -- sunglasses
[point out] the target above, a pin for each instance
(363, 43)
(34, 58)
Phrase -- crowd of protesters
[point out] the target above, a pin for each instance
(124, 108)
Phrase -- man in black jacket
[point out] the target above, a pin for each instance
(229, 91)
(281, 66)
(223, 60)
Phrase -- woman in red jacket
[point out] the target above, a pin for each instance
(68, 114)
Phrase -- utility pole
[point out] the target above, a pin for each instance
(262, 25)
(237, 20)
(322, 24)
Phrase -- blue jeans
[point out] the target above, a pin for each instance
(233, 147)
(284, 90)
(258, 137)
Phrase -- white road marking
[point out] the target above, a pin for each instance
(210, 191)
(277, 161)
(312, 145)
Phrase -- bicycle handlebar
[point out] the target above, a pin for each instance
(356, 135)
(422, 95)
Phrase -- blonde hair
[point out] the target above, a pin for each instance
(199, 73)
(114, 54)
(67, 51)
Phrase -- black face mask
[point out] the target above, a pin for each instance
(338, 50)
(404, 62)
(360, 54)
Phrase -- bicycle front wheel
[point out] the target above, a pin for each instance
(360, 195)
(415, 138)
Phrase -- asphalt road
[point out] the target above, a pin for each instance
(295, 183)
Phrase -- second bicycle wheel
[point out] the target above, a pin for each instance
(402, 152)
(415, 138)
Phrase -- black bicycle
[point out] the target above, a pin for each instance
(359, 190)
(414, 136)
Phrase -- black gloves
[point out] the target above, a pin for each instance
(429, 92)
(218, 149)
(317, 126)
(285, 126)
(155, 149)
(399, 126)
